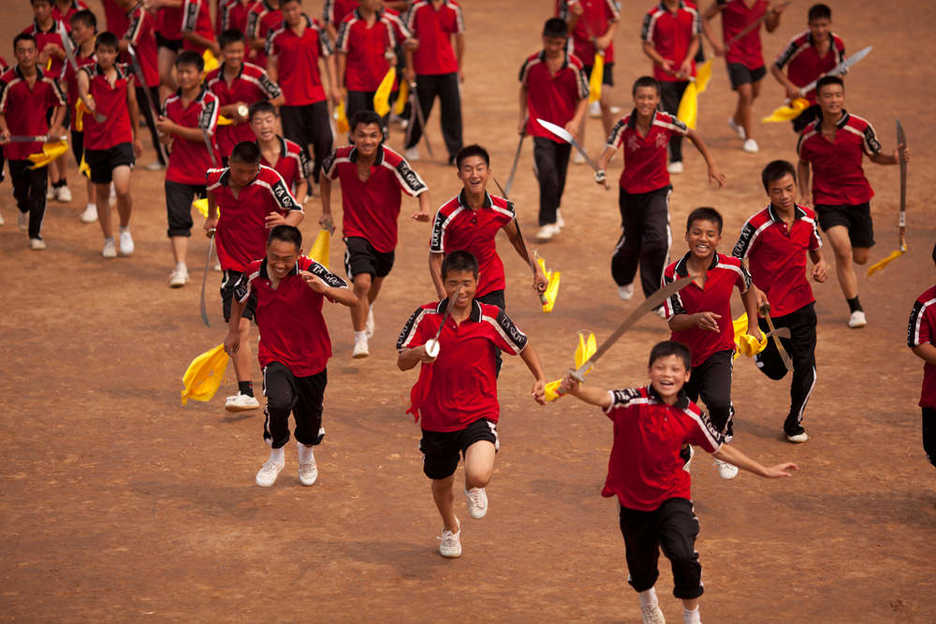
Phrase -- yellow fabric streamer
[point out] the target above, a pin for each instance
(688, 111)
(341, 119)
(703, 76)
(880, 264)
(80, 110)
(204, 375)
(202, 206)
(321, 247)
(211, 61)
(402, 96)
(585, 349)
(597, 76)
(50, 151)
(224, 121)
(746, 344)
(382, 95)
(788, 113)
(548, 298)
(83, 168)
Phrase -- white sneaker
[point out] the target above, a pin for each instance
(412, 153)
(739, 130)
(477, 502)
(577, 158)
(154, 166)
(798, 438)
(626, 292)
(109, 251)
(547, 231)
(857, 319)
(750, 146)
(37, 244)
(675, 167)
(241, 403)
(652, 615)
(126, 243)
(308, 473)
(267, 474)
(63, 194)
(22, 221)
(179, 277)
(594, 109)
(726, 470)
(360, 347)
(560, 222)
(90, 214)
(451, 543)
(369, 325)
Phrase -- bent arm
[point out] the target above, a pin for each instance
(435, 272)
(926, 352)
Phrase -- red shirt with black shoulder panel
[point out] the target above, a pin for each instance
(115, 17)
(297, 61)
(461, 385)
(371, 208)
(262, 19)
(671, 35)
(56, 68)
(292, 328)
(458, 227)
(65, 17)
(292, 165)
(805, 64)
(335, 11)
(723, 275)
(597, 16)
(196, 18)
(141, 33)
(189, 160)
(552, 97)
(776, 255)
(232, 14)
(922, 330)
(837, 175)
(434, 29)
(71, 82)
(365, 47)
(241, 236)
(25, 109)
(645, 156)
(250, 85)
(645, 468)
(169, 23)
(736, 15)
(110, 101)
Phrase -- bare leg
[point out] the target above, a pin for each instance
(742, 115)
(122, 188)
(179, 247)
(479, 464)
(444, 497)
(362, 287)
(102, 191)
(167, 84)
(242, 359)
(844, 269)
(860, 255)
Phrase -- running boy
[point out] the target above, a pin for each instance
(263, 17)
(841, 195)
(646, 474)
(456, 394)
(373, 179)
(921, 338)
(553, 87)
(252, 199)
(83, 33)
(111, 145)
(293, 355)
(282, 154)
(645, 187)
(775, 242)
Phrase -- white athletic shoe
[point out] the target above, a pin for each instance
(267, 474)
(675, 167)
(594, 109)
(477, 502)
(652, 615)
(154, 166)
(412, 153)
(308, 473)
(798, 438)
(22, 221)
(37, 244)
(369, 325)
(179, 277)
(90, 214)
(63, 194)
(360, 347)
(726, 470)
(626, 292)
(857, 319)
(750, 146)
(739, 130)
(126, 243)
(109, 251)
(560, 222)
(547, 231)
(450, 545)
(577, 158)
(241, 403)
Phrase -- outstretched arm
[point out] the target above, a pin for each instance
(732, 455)
(714, 174)
(515, 236)
(592, 396)
(531, 359)
(408, 358)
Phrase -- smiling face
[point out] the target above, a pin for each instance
(668, 374)
(646, 100)
(782, 192)
(464, 283)
(233, 55)
(474, 173)
(263, 124)
(366, 138)
(831, 99)
(703, 237)
(281, 258)
(819, 28)
(188, 76)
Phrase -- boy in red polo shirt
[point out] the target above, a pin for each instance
(645, 473)
(808, 57)
(26, 94)
(775, 242)
(373, 179)
(187, 125)
(180, 25)
(456, 394)
(294, 345)
(294, 50)
(921, 338)
(111, 145)
(263, 17)
(83, 33)
(645, 187)
(252, 199)
(63, 10)
(334, 12)
(553, 87)
(232, 15)
(281, 154)
(833, 146)
(699, 317)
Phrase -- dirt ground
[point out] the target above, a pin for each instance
(117, 504)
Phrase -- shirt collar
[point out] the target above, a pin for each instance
(463, 200)
(632, 119)
(100, 70)
(266, 274)
(565, 58)
(798, 213)
(198, 98)
(682, 400)
(475, 315)
(353, 156)
(45, 32)
(841, 122)
(682, 5)
(682, 267)
(19, 72)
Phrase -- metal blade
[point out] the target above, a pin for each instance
(564, 134)
(68, 46)
(28, 139)
(417, 108)
(839, 69)
(902, 215)
(204, 309)
(513, 168)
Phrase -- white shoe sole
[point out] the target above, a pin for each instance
(240, 408)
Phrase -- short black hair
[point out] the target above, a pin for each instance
(23, 37)
(365, 117)
(472, 150)
(775, 170)
(286, 233)
(35, 2)
(555, 27)
(827, 80)
(107, 39)
(246, 152)
(705, 213)
(84, 16)
(646, 81)
(819, 11)
(190, 57)
(263, 106)
(229, 36)
(459, 261)
(668, 348)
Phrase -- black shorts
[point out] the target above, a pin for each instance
(608, 75)
(179, 198)
(739, 74)
(495, 298)
(856, 219)
(361, 257)
(172, 44)
(77, 145)
(441, 448)
(103, 162)
(228, 280)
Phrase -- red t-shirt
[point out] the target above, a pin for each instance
(335, 11)
(293, 164)
(434, 29)
(671, 34)
(736, 16)
(250, 85)
(645, 156)
(297, 61)
(595, 20)
(241, 236)
(232, 14)
(921, 330)
(365, 47)
(837, 175)
(196, 18)
(115, 17)
(44, 37)
(110, 102)
(805, 64)
(292, 328)
(141, 35)
(371, 208)
(71, 78)
(460, 387)
(189, 160)
(73, 7)
(169, 23)
(456, 226)
(645, 468)
(777, 257)
(552, 97)
(262, 19)
(25, 109)
(723, 275)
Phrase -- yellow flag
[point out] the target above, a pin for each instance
(224, 121)
(788, 113)
(211, 61)
(745, 344)
(689, 106)
(597, 76)
(402, 96)
(382, 95)
(703, 76)
(548, 298)
(341, 119)
(321, 247)
(204, 375)
(202, 206)
(586, 348)
(83, 168)
(50, 151)
(79, 115)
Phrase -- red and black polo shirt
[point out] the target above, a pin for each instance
(71, 78)
(366, 46)
(837, 175)
(297, 61)
(116, 17)
(189, 160)
(671, 33)
(736, 15)
(25, 109)
(645, 156)
(232, 14)
(292, 165)
(552, 97)
(433, 28)
(141, 35)
(73, 7)
(53, 35)
(250, 85)
(922, 330)
(110, 101)
(196, 18)
(597, 16)
(262, 19)
(805, 64)
(335, 11)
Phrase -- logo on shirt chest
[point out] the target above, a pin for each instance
(633, 143)
(661, 140)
